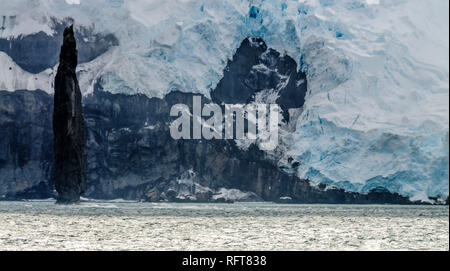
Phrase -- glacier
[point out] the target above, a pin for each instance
(377, 108)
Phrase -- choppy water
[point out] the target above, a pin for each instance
(241, 226)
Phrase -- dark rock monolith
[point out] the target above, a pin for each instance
(68, 126)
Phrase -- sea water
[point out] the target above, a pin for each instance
(122, 225)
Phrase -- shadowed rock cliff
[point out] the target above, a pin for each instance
(37, 52)
(68, 126)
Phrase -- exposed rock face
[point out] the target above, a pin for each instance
(68, 126)
(36, 52)
(26, 144)
(256, 68)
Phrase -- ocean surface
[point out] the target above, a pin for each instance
(121, 225)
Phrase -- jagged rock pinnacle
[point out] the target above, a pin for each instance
(69, 172)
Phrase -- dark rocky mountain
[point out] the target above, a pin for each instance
(131, 155)
(255, 68)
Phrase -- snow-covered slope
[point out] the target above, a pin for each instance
(376, 113)
(12, 77)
